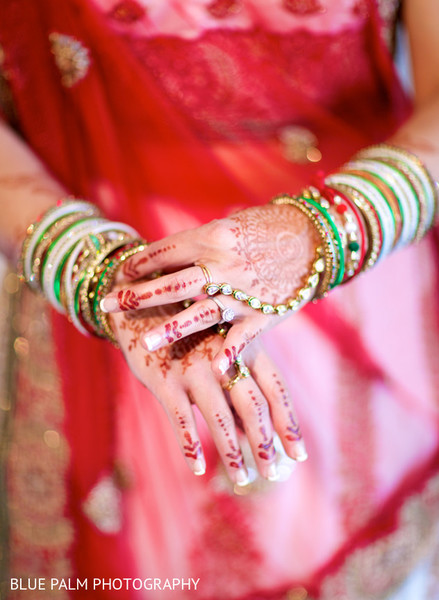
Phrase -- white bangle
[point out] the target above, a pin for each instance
(409, 206)
(377, 200)
(52, 215)
(416, 166)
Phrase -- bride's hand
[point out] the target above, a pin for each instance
(267, 252)
(180, 376)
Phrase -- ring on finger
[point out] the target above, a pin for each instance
(227, 313)
(207, 274)
(228, 386)
(241, 367)
(242, 372)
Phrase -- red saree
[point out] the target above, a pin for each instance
(167, 114)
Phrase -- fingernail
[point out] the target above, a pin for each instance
(300, 453)
(109, 304)
(199, 467)
(242, 478)
(153, 341)
(272, 473)
(223, 365)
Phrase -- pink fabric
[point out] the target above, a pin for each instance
(177, 122)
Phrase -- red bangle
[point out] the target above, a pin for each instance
(330, 194)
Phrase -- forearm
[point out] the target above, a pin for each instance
(420, 134)
(26, 190)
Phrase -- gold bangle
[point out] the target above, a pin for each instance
(47, 238)
(102, 318)
(91, 270)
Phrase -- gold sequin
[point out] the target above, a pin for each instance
(71, 57)
(299, 144)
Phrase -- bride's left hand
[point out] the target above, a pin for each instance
(267, 252)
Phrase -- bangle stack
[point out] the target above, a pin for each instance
(383, 199)
(71, 255)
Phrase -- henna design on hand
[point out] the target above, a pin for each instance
(237, 461)
(294, 433)
(184, 350)
(278, 245)
(131, 267)
(267, 451)
(192, 449)
(129, 300)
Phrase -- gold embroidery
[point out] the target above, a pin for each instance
(355, 436)
(71, 58)
(373, 572)
(35, 452)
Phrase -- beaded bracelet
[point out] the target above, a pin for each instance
(303, 295)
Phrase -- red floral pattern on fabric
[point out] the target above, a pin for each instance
(226, 91)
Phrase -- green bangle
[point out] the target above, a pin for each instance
(333, 226)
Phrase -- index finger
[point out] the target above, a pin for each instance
(171, 252)
(168, 289)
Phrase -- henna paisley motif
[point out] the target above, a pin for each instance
(277, 246)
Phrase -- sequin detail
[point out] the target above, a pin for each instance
(103, 506)
(303, 7)
(224, 8)
(71, 57)
(299, 144)
(127, 11)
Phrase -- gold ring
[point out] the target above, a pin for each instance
(242, 372)
(206, 273)
(241, 367)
